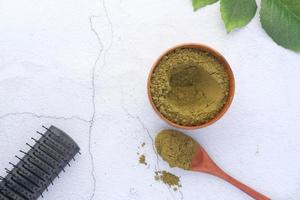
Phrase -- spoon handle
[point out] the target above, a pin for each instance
(251, 192)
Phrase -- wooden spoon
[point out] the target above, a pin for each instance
(203, 163)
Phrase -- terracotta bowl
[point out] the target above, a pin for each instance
(231, 85)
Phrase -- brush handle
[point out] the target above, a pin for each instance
(251, 192)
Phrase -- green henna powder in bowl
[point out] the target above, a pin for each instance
(189, 86)
(176, 148)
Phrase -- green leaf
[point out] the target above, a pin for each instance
(237, 13)
(281, 20)
(201, 3)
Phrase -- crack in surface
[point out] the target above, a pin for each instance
(44, 116)
(93, 117)
(156, 167)
(110, 24)
(142, 124)
(92, 121)
(111, 31)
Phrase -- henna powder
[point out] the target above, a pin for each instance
(176, 148)
(168, 178)
(189, 86)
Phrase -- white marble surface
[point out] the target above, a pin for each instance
(82, 66)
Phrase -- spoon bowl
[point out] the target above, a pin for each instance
(202, 162)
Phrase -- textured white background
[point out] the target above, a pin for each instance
(82, 65)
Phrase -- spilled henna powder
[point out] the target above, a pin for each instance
(169, 179)
(142, 160)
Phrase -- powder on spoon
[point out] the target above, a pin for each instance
(189, 86)
(176, 148)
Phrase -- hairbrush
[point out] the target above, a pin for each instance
(37, 169)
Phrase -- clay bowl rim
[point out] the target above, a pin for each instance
(228, 69)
